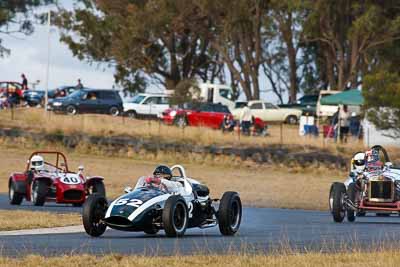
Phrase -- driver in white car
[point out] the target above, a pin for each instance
(162, 178)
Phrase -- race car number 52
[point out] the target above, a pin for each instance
(130, 202)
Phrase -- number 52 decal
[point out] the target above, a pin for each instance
(130, 202)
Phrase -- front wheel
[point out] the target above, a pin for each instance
(352, 194)
(14, 197)
(175, 216)
(98, 188)
(94, 211)
(229, 213)
(39, 192)
(291, 119)
(132, 114)
(71, 110)
(336, 206)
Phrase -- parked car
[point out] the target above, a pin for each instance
(36, 97)
(88, 101)
(307, 103)
(270, 113)
(7, 86)
(198, 114)
(47, 178)
(326, 110)
(146, 105)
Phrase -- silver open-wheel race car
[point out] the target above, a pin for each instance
(373, 186)
(148, 208)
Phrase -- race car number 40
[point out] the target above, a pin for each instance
(130, 202)
(70, 180)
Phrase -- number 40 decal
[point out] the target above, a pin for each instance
(130, 202)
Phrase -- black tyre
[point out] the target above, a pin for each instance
(175, 216)
(39, 192)
(291, 119)
(352, 194)
(94, 211)
(71, 110)
(336, 206)
(132, 114)
(181, 122)
(98, 188)
(229, 213)
(14, 197)
(114, 111)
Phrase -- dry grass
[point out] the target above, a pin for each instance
(369, 259)
(262, 186)
(107, 125)
(19, 219)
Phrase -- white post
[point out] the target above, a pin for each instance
(48, 62)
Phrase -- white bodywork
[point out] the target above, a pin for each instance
(387, 171)
(180, 185)
(326, 110)
(268, 112)
(149, 104)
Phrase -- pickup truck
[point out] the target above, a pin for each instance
(307, 103)
(270, 113)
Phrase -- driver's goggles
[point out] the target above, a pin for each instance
(37, 163)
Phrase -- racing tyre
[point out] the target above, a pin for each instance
(175, 216)
(351, 193)
(336, 201)
(39, 192)
(14, 197)
(291, 119)
(71, 110)
(94, 210)
(114, 111)
(98, 188)
(229, 213)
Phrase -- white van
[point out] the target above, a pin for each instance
(326, 110)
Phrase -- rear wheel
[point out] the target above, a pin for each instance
(291, 119)
(229, 213)
(94, 211)
(14, 197)
(336, 195)
(114, 111)
(39, 192)
(175, 216)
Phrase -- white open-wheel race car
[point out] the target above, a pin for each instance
(373, 186)
(148, 208)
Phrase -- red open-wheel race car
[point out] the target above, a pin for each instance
(44, 181)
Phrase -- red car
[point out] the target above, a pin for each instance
(202, 114)
(7, 86)
(44, 181)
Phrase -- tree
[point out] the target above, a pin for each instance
(164, 40)
(16, 17)
(346, 31)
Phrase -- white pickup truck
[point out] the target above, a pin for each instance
(146, 105)
(270, 113)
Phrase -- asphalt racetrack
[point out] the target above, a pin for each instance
(262, 229)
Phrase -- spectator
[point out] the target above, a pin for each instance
(228, 124)
(24, 82)
(245, 119)
(12, 97)
(79, 85)
(344, 123)
(355, 125)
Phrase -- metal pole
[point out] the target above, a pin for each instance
(48, 62)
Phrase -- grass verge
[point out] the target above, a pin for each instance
(19, 219)
(368, 259)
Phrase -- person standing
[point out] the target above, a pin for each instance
(344, 123)
(24, 82)
(245, 119)
(79, 85)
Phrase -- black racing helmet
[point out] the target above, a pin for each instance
(163, 171)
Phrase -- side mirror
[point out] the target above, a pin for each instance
(128, 189)
(388, 165)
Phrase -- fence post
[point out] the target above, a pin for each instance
(281, 134)
(12, 112)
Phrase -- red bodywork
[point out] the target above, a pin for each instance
(9, 86)
(196, 117)
(59, 191)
